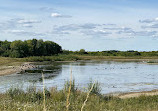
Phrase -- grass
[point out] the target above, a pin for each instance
(86, 57)
(84, 104)
(150, 62)
(62, 57)
(16, 99)
(8, 61)
(52, 58)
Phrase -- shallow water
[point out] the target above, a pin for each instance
(113, 76)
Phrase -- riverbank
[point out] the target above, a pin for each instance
(19, 67)
(13, 65)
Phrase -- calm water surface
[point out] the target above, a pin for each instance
(112, 76)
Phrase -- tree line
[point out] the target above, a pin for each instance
(129, 53)
(34, 47)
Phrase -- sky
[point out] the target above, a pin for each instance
(93, 25)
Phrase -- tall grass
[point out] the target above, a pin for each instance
(87, 96)
(69, 91)
(44, 100)
(51, 58)
(16, 99)
(96, 87)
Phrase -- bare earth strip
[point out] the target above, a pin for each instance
(6, 70)
(138, 94)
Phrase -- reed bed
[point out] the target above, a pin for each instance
(16, 99)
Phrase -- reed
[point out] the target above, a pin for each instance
(69, 92)
(44, 94)
(87, 97)
(20, 100)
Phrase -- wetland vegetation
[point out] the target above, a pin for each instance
(15, 99)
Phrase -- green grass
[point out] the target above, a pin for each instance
(8, 61)
(16, 99)
(72, 57)
(51, 58)
(152, 62)
(86, 57)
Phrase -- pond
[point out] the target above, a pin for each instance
(114, 77)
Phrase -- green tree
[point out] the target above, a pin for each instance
(82, 51)
(19, 49)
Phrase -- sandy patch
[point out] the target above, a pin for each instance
(138, 94)
(6, 70)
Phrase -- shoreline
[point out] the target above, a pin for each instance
(14, 69)
(137, 94)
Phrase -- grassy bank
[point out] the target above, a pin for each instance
(32, 100)
(62, 57)
(86, 57)
(9, 61)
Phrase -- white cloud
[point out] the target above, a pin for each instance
(24, 33)
(96, 33)
(145, 33)
(138, 33)
(23, 21)
(15, 31)
(118, 28)
(149, 20)
(58, 15)
(75, 27)
(150, 26)
(156, 19)
(17, 23)
(27, 25)
(109, 24)
(47, 9)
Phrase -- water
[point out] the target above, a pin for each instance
(114, 77)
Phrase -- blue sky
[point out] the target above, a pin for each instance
(89, 24)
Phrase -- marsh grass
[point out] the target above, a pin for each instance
(16, 99)
(44, 96)
(152, 62)
(96, 87)
(51, 58)
(92, 86)
(69, 92)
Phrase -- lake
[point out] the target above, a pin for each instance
(114, 77)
